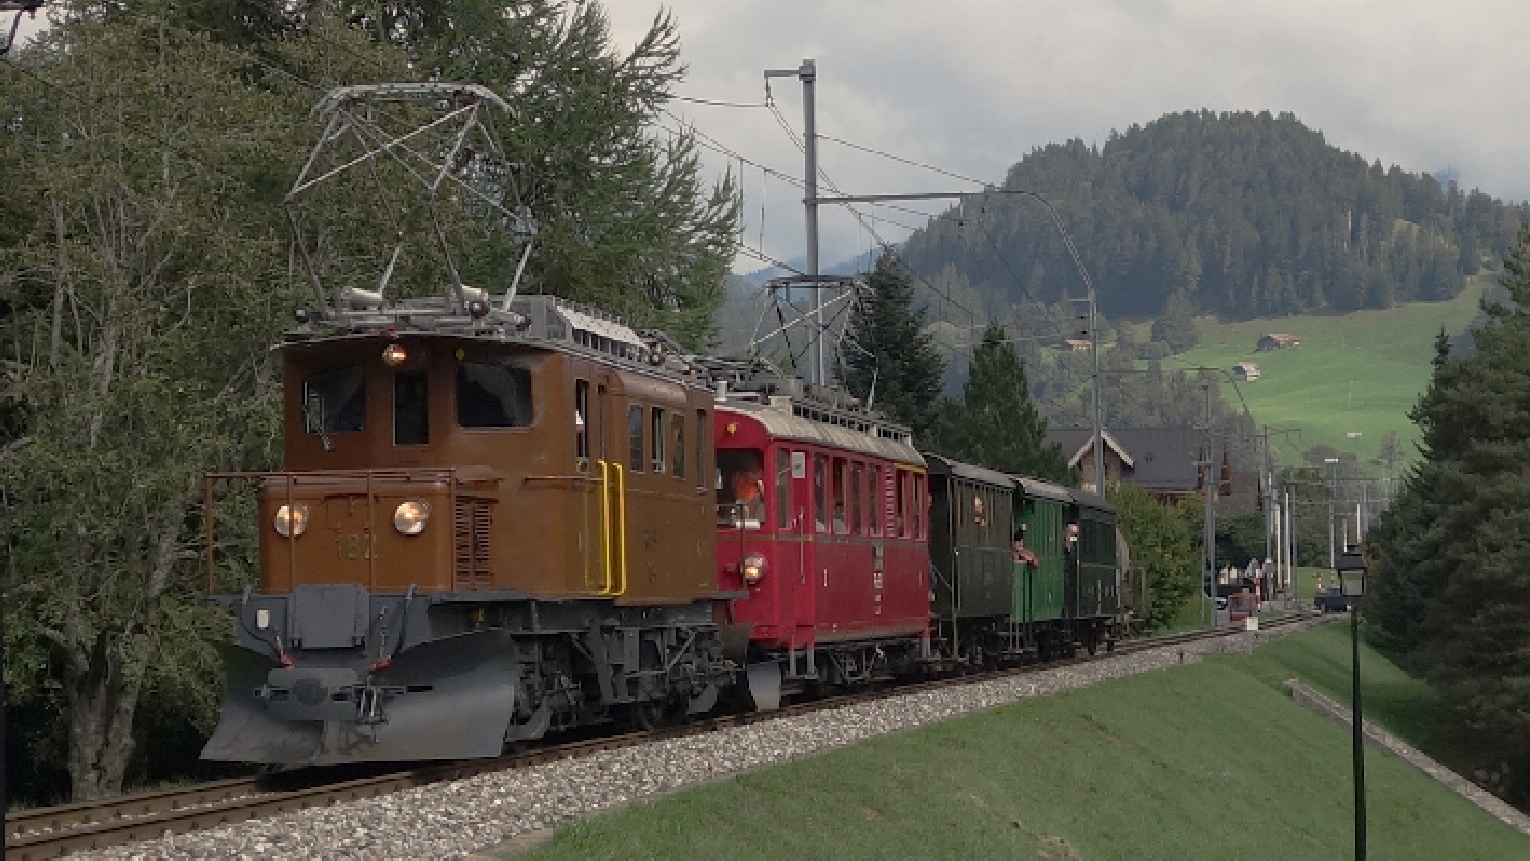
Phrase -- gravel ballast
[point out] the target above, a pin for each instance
(453, 819)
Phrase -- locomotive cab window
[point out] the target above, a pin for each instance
(493, 395)
(740, 488)
(335, 401)
(411, 409)
(582, 422)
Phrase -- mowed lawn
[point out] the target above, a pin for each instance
(1211, 760)
(1358, 372)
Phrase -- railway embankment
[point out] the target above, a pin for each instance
(451, 819)
(1210, 760)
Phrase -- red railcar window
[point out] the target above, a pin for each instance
(783, 489)
(857, 511)
(919, 506)
(901, 491)
(741, 493)
(820, 492)
(878, 499)
(841, 508)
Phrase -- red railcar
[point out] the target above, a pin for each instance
(823, 535)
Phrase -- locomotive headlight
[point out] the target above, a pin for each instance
(754, 568)
(410, 517)
(291, 522)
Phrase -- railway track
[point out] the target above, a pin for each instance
(56, 831)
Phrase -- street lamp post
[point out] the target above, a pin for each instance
(1351, 571)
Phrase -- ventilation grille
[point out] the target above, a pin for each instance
(470, 540)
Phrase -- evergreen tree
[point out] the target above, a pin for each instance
(1177, 325)
(998, 425)
(891, 360)
(1452, 589)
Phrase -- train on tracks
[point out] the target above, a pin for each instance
(504, 520)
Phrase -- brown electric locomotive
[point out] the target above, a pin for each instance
(494, 522)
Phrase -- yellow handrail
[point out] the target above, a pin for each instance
(605, 523)
(621, 523)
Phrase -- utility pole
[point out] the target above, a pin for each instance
(1210, 478)
(807, 73)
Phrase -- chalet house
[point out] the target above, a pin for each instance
(1245, 372)
(1165, 462)
(1076, 345)
(1277, 342)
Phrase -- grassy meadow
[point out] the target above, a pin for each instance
(1357, 372)
(1210, 760)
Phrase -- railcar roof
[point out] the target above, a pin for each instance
(1038, 489)
(946, 466)
(1085, 499)
(781, 420)
(544, 322)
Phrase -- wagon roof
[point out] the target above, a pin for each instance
(781, 422)
(1035, 487)
(947, 466)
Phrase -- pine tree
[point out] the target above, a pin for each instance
(890, 359)
(1451, 586)
(999, 426)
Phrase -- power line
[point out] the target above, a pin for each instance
(899, 158)
(717, 102)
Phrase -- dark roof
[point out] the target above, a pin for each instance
(1038, 489)
(1163, 459)
(946, 466)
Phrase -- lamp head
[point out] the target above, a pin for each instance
(1351, 570)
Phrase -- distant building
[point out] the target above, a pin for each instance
(1165, 462)
(1076, 346)
(1278, 342)
(1245, 372)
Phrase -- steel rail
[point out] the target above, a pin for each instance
(53, 832)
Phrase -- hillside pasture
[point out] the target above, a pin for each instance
(1356, 372)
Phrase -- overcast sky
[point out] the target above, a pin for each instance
(972, 86)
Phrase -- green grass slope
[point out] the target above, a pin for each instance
(1210, 761)
(1360, 372)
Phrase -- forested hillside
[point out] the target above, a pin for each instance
(1242, 214)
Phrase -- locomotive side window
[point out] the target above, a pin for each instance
(820, 492)
(411, 409)
(493, 396)
(677, 451)
(656, 433)
(335, 401)
(741, 488)
(783, 489)
(635, 438)
(582, 420)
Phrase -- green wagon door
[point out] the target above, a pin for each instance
(1039, 597)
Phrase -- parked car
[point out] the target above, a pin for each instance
(1330, 601)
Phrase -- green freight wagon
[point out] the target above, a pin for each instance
(1092, 588)
(970, 519)
(1040, 508)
